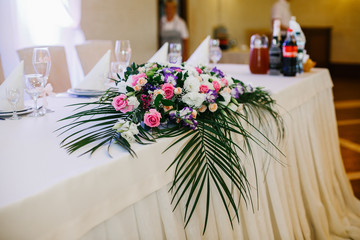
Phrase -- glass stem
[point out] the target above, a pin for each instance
(14, 110)
(35, 105)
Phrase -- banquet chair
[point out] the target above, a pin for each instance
(2, 77)
(59, 73)
(91, 52)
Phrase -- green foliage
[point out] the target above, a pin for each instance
(209, 157)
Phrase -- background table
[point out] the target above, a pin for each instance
(47, 194)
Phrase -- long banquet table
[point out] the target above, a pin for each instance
(47, 194)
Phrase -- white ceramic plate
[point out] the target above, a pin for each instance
(26, 110)
(85, 93)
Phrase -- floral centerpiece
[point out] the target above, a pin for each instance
(203, 106)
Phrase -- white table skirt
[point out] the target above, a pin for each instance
(46, 194)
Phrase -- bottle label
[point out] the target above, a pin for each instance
(290, 51)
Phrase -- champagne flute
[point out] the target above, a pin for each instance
(175, 53)
(123, 53)
(215, 51)
(34, 85)
(42, 63)
(115, 69)
(13, 95)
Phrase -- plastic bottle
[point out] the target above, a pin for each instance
(300, 41)
(275, 51)
(290, 53)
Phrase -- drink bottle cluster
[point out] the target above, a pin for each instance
(284, 57)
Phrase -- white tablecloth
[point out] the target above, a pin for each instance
(47, 194)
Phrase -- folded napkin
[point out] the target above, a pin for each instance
(161, 56)
(15, 79)
(96, 78)
(201, 54)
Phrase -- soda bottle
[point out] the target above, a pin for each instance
(275, 51)
(300, 42)
(290, 52)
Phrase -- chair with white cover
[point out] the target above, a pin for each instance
(2, 77)
(59, 73)
(91, 51)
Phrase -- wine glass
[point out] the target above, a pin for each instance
(13, 95)
(175, 53)
(215, 51)
(123, 53)
(34, 86)
(42, 63)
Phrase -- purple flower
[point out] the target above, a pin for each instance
(173, 115)
(192, 123)
(218, 71)
(237, 91)
(148, 87)
(211, 96)
(186, 113)
(166, 71)
(169, 78)
(250, 88)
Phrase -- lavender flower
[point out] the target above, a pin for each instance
(211, 96)
(218, 72)
(169, 78)
(148, 87)
(173, 115)
(237, 91)
(186, 113)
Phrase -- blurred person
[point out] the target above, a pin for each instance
(281, 11)
(173, 28)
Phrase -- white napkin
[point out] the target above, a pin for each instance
(161, 56)
(96, 78)
(201, 54)
(15, 79)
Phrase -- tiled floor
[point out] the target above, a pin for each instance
(347, 105)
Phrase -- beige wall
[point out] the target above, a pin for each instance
(243, 17)
(343, 16)
(135, 20)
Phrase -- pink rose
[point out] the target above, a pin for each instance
(204, 88)
(152, 118)
(178, 70)
(224, 82)
(198, 70)
(216, 85)
(120, 103)
(135, 78)
(168, 89)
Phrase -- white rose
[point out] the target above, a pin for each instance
(227, 98)
(205, 77)
(124, 127)
(141, 69)
(122, 87)
(209, 84)
(229, 80)
(133, 101)
(194, 99)
(192, 84)
(191, 70)
(118, 124)
(128, 136)
(133, 129)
